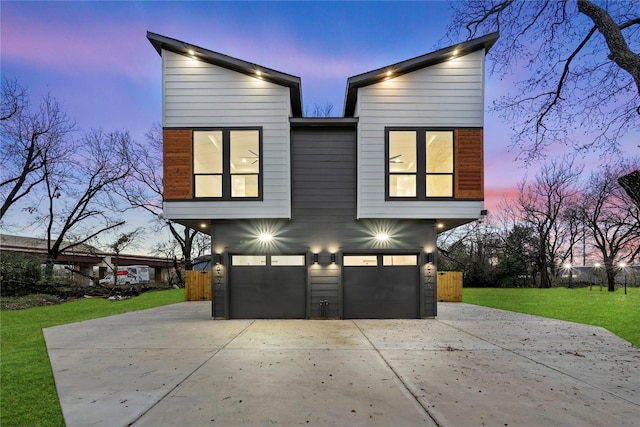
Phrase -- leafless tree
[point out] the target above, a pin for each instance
(611, 218)
(80, 202)
(145, 190)
(542, 204)
(583, 69)
(119, 245)
(320, 110)
(631, 184)
(30, 140)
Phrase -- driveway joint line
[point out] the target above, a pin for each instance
(431, 415)
(172, 389)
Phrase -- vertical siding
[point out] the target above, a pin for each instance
(324, 286)
(198, 94)
(469, 164)
(177, 164)
(449, 94)
(219, 304)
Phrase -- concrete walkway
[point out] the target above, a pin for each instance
(471, 366)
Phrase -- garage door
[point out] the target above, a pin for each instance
(267, 287)
(379, 286)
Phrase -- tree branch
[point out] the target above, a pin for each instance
(618, 47)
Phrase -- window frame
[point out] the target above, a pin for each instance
(226, 175)
(421, 163)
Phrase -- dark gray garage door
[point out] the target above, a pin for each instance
(381, 287)
(267, 287)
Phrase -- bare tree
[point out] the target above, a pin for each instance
(631, 184)
(320, 110)
(79, 192)
(611, 218)
(145, 190)
(119, 245)
(30, 140)
(541, 205)
(519, 244)
(583, 75)
(471, 249)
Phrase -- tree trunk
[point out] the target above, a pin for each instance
(545, 278)
(611, 275)
(631, 184)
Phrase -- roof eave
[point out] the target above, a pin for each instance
(160, 42)
(410, 65)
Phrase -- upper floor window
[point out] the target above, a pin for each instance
(227, 163)
(420, 163)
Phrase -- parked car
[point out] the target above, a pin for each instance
(128, 279)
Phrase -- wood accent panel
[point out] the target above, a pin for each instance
(469, 168)
(178, 164)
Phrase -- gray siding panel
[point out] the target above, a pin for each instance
(448, 94)
(198, 94)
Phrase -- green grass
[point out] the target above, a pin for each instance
(27, 390)
(614, 311)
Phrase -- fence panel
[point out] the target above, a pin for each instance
(450, 286)
(197, 286)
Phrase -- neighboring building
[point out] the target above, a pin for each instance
(323, 217)
(87, 260)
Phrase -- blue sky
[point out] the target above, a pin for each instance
(95, 58)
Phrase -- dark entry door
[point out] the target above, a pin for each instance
(381, 291)
(267, 292)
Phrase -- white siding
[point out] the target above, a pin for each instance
(449, 94)
(199, 94)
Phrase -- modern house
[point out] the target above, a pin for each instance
(323, 217)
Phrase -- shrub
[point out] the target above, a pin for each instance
(18, 270)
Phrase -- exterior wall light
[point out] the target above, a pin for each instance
(265, 237)
(382, 237)
(429, 258)
(333, 258)
(315, 258)
(217, 259)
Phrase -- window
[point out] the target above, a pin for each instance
(287, 260)
(227, 163)
(248, 260)
(360, 260)
(420, 163)
(391, 260)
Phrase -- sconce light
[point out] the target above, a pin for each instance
(217, 259)
(333, 258)
(429, 258)
(315, 258)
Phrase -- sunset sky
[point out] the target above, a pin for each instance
(95, 58)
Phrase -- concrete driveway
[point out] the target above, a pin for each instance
(471, 366)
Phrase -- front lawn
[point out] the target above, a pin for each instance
(614, 311)
(28, 394)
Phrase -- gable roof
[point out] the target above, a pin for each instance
(410, 65)
(160, 42)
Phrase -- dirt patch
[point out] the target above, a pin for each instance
(50, 294)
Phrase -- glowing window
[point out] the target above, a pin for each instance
(227, 163)
(244, 162)
(360, 260)
(420, 163)
(287, 260)
(402, 163)
(391, 260)
(247, 260)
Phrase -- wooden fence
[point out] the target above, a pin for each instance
(450, 286)
(197, 285)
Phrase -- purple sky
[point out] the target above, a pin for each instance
(95, 58)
